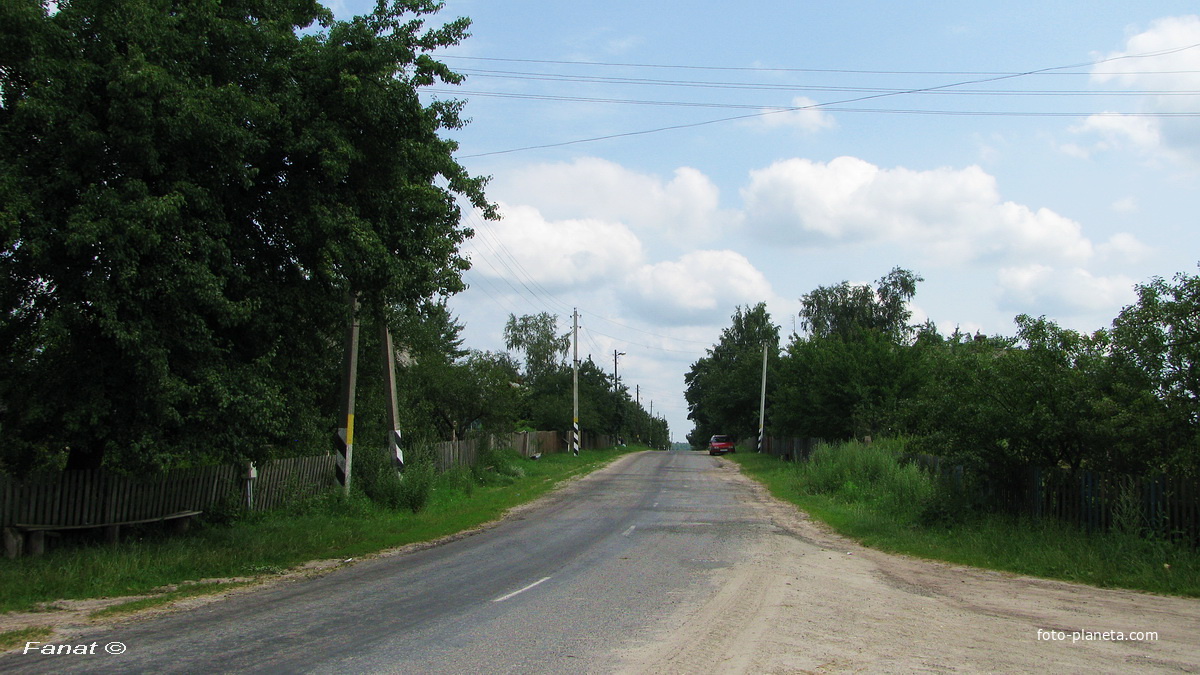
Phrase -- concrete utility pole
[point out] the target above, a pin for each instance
(617, 388)
(345, 434)
(762, 402)
(389, 384)
(575, 383)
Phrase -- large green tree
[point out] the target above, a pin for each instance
(852, 369)
(188, 193)
(1049, 398)
(536, 336)
(723, 388)
(846, 309)
(1159, 337)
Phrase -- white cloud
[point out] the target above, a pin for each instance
(524, 246)
(1062, 292)
(699, 288)
(1118, 131)
(687, 205)
(1123, 249)
(1171, 66)
(1125, 205)
(808, 118)
(952, 215)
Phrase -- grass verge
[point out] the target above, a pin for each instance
(15, 638)
(188, 591)
(329, 526)
(864, 492)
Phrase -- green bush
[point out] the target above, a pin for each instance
(868, 473)
(496, 466)
(417, 482)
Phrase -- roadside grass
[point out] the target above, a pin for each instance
(12, 639)
(329, 526)
(864, 492)
(188, 591)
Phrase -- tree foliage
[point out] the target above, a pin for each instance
(846, 310)
(850, 373)
(1121, 400)
(536, 336)
(723, 388)
(188, 191)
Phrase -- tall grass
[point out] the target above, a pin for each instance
(871, 474)
(870, 494)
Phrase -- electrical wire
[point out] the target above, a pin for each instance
(761, 86)
(827, 108)
(817, 106)
(765, 69)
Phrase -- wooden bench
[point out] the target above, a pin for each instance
(22, 537)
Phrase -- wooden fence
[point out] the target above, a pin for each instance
(99, 497)
(789, 448)
(450, 454)
(1166, 505)
(286, 480)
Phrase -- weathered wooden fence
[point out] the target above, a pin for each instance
(789, 448)
(99, 497)
(286, 480)
(529, 443)
(83, 498)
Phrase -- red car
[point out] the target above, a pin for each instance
(719, 445)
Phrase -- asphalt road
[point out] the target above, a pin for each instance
(565, 587)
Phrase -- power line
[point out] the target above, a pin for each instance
(658, 335)
(546, 299)
(815, 106)
(838, 71)
(639, 344)
(789, 87)
(831, 108)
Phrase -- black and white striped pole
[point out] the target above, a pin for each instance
(395, 450)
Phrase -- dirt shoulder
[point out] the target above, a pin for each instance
(809, 600)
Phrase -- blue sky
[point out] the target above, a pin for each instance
(1050, 193)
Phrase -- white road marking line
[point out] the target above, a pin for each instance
(505, 597)
(626, 533)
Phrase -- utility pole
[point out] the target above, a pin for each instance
(637, 433)
(617, 389)
(616, 380)
(762, 402)
(389, 392)
(345, 434)
(575, 383)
